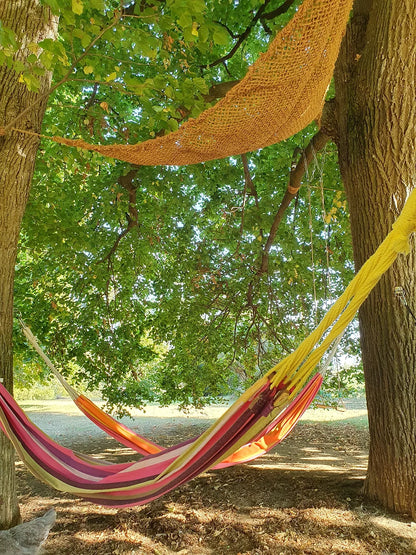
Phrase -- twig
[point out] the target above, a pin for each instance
(278, 11)
(259, 16)
(232, 35)
(241, 38)
(91, 100)
(248, 180)
(126, 181)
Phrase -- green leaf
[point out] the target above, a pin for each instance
(220, 35)
(38, 71)
(97, 5)
(31, 82)
(201, 84)
(7, 37)
(32, 58)
(203, 33)
(19, 66)
(47, 59)
(77, 7)
(185, 20)
(54, 5)
(88, 69)
(198, 6)
(173, 124)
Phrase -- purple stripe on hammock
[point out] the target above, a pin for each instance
(64, 454)
(84, 466)
(263, 404)
(203, 463)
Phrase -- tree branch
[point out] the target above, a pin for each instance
(249, 188)
(241, 38)
(278, 11)
(328, 130)
(219, 90)
(126, 181)
(249, 182)
(259, 16)
(91, 100)
(232, 35)
(317, 143)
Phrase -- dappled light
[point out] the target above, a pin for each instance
(302, 497)
(237, 226)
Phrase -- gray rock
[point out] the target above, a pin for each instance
(27, 538)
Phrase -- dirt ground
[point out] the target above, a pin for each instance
(303, 498)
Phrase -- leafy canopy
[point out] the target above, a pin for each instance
(144, 282)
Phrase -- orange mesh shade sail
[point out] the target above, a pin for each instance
(282, 93)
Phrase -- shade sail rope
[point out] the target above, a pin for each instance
(282, 92)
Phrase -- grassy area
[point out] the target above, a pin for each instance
(354, 417)
(324, 416)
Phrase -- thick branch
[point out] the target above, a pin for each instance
(316, 144)
(219, 90)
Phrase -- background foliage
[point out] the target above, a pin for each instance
(144, 282)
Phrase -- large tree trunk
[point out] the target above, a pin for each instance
(375, 83)
(32, 23)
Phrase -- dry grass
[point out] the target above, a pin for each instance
(304, 498)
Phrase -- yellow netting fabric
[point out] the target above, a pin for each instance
(282, 92)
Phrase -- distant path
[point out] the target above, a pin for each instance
(61, 420)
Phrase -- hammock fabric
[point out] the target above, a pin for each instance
(139, 443)
(259, 419)
(255, 420)
(281, 94)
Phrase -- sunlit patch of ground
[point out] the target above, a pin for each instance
(302, 498)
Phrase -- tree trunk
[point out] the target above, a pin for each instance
(375, 82)
(31, 23)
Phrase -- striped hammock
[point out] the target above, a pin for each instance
(257, 421)
(129, 438)
(252, 426)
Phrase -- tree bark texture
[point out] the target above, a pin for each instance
(31, 23)
(375, 82)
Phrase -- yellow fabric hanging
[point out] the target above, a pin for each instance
(282, 93)
(297, 366)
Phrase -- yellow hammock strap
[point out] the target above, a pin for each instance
(282, 93)
(299, 365)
